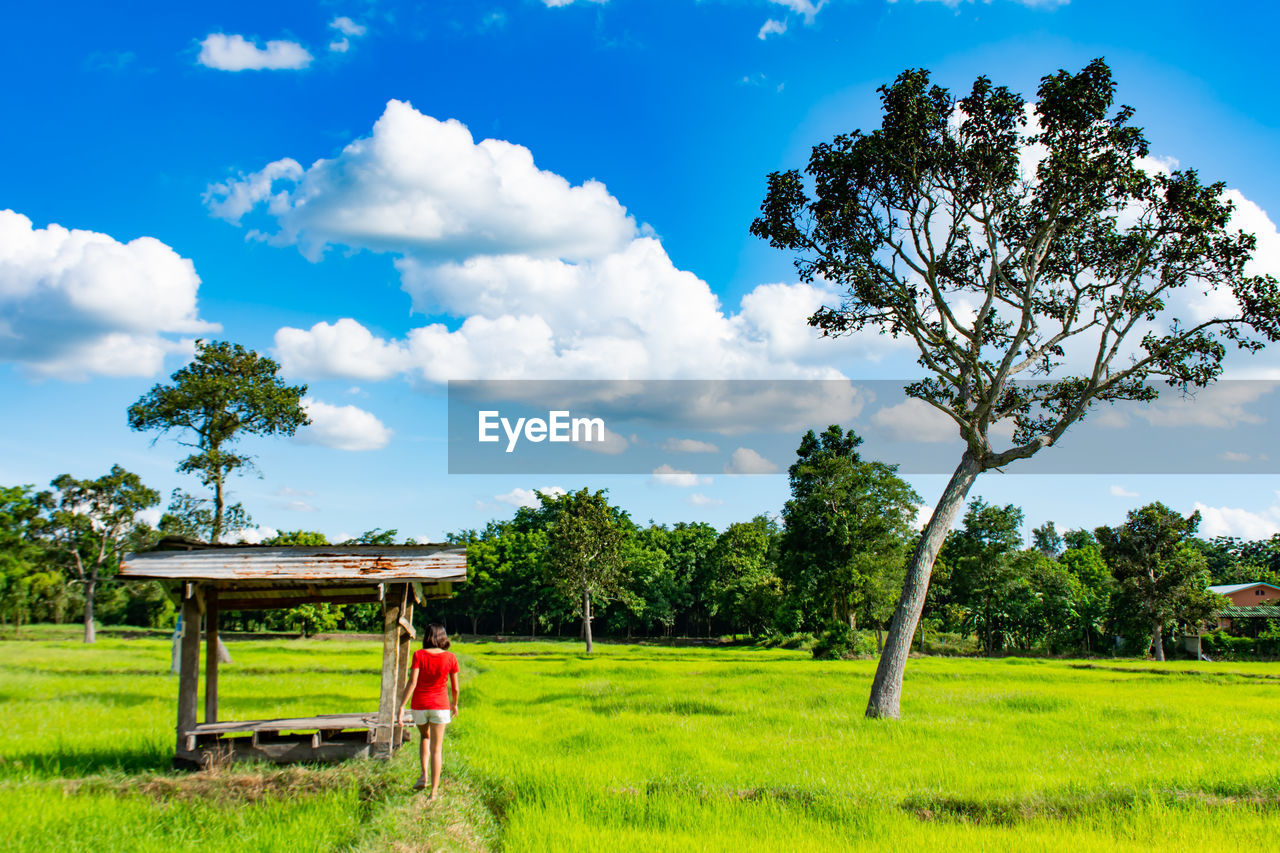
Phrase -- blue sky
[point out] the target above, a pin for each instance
(603, 235)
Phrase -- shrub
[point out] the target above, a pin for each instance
(838, 641)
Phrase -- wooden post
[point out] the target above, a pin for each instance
(406, 654)
(389, 699)
(189, 674)
(211, 655)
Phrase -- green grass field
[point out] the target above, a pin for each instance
(665, 748)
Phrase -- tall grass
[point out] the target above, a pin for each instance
(669, 748)
(753, 749)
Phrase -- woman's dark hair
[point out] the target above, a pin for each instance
(436, 637)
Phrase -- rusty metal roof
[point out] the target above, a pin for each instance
(326, 563)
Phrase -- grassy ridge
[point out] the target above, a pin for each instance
(670, 748)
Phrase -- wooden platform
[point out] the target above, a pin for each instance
(322, 738)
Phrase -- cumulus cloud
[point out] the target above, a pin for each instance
(253, 535)
(547, 279)
(1122, 492)
(915, 420)
(666, 475)
(236, 53)
(527, 497)
(1233, 521)
(1223, 405)
(343, 349)
(612, 445)
(75, 303)
(689, 445)
(422, 185)
(770, 28)
(342, 427)
(746, 461)
(699, 499)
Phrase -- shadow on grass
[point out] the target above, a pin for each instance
(72, 762)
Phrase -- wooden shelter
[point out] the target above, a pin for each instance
(210, 579)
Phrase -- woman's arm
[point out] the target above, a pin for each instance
(453, 690)
(408, 690)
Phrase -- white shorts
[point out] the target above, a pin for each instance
(421, 718)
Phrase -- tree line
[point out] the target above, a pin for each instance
(830, 566)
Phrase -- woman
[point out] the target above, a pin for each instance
(433, 667)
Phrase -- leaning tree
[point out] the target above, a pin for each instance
(1034, 263)
(226, 392)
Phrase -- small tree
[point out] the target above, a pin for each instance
(226, 392)
(1065, 250)
(94, 522)
(848, 523)
(1161, 578)
(584, 550)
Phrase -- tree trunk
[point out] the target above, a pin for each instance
(586, 618)
(216, 534)
(90, 590)
(533, 624)
(879, 640)
(1157, 640)
(886, 689)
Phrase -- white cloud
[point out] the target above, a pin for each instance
(150, 516)
(746, 461)
(75, 303)
(699, 499)
(342, 427)
(548, 280)
(771, 27)
(916, 420)
(347, 27)
(612, 445)
(253, 535)
(297, 506)
(349, 30)
(1232, 456)
(1231, 521)
(924, 512)
(527, 497)
(342, 349)
(553, 4)
(1223, 405)
(1034, 4)
(807, 8)
(236, 53)
(1122, 492)
(689, 445)
(665, 475)
(419, 184)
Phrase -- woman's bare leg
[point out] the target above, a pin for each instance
(437, 755)
(425, 732)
